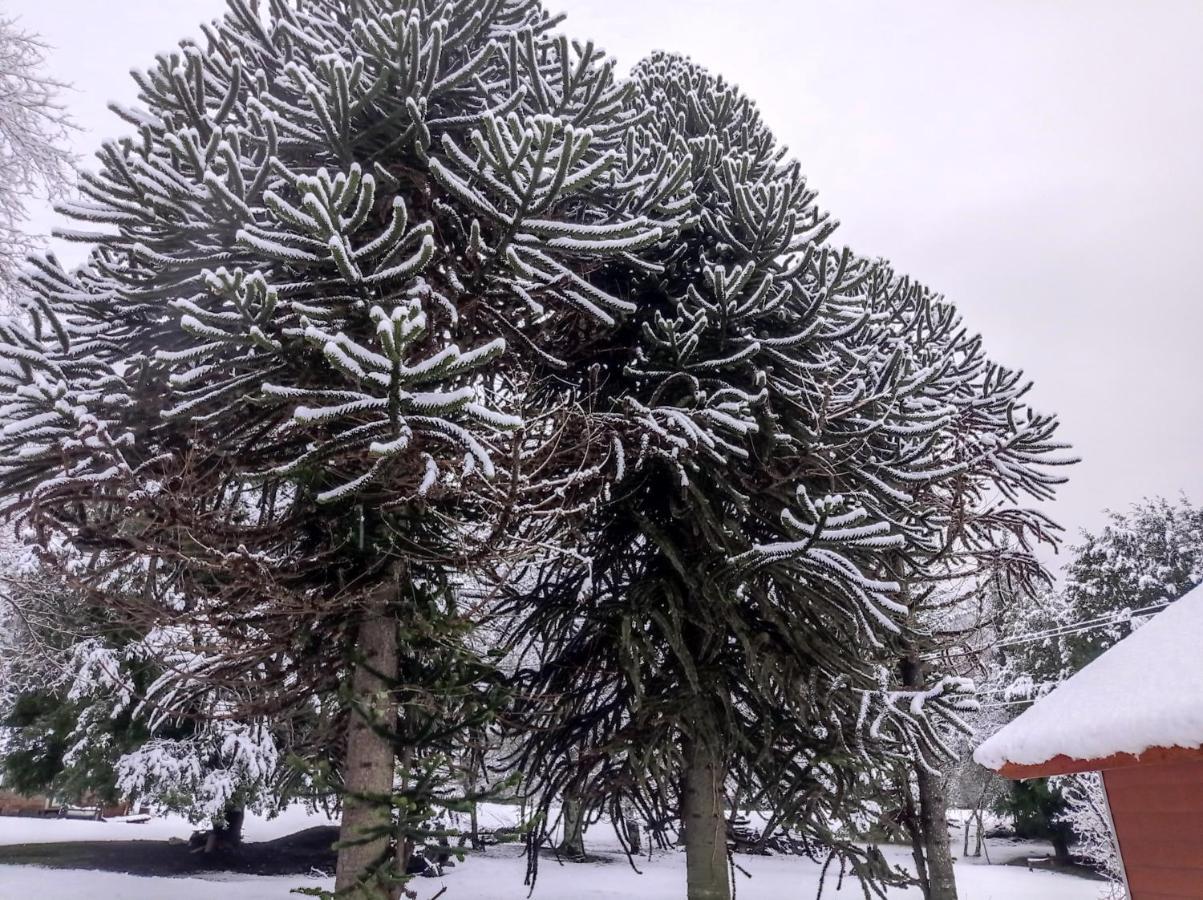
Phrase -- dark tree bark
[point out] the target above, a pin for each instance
(910, 823)
(706, 865)
(403, 847)
(221, 838)
(227, 836)
(1061, 846)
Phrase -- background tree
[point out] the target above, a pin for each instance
(1141, 560)
(33, 135)
(33, 161)
(981, 542)
(90, 716)
(1088, 819)
(1038, 811)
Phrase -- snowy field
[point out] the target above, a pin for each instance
(496, 875)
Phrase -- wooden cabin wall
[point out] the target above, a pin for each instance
(1158, 815)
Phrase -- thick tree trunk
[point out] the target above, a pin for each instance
(572, 845)
(1061, 847)
(706, 867)
(933, 812)
(369, 762)
(933, 820)
(227, 836)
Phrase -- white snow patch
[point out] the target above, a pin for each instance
(494, 875)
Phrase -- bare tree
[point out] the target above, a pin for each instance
(34, 159)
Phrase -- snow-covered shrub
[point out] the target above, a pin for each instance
(1086, 814)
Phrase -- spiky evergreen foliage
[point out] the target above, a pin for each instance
(344, 238)
(788, 419)
(380, 285)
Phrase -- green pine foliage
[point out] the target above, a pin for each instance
(37, 756)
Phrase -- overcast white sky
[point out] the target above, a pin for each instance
(1039, 161)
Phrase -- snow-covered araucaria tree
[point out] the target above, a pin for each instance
(34, 159)
(729, 625)
(987, 454)
(293, 377)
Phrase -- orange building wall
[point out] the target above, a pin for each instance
(1158, 814)
(15, 804)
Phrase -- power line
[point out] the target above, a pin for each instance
(1085, 625)
(1007, 703)
(1073, 628)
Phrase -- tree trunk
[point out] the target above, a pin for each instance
(630, 825)
(369, 762)
(403, 852)
(403, 845)
(471, 762)
(572, 845)
(933, 811)
(910, 823)
(707, 873)
(933, 819)
(227, 836)
(1061, 847)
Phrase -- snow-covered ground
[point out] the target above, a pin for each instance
(495, 875)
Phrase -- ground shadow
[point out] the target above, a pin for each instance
(296, 854)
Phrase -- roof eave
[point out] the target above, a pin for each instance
(1067, 765)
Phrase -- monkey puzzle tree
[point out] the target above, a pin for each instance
(730, 621)
(377, 286)
(291, 377)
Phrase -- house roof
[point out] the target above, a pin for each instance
(1139, 702)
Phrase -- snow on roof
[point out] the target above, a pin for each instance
(1145, 692)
